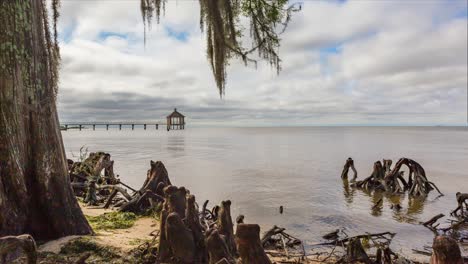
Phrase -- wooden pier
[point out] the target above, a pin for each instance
(175, 120)
(82, 125)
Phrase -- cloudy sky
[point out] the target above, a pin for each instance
(344, 63)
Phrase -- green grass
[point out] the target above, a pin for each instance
(85, 244)
(113, 220)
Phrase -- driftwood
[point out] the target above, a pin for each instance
(461, 201)
(276, 238)
(355, 252)
(9, 244)
(445, 250)
(151, 191)
(430, 223)
(249, 246)
(349, 164)
(92, 167)
(392, 180)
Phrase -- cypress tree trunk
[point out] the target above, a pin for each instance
(35, 192)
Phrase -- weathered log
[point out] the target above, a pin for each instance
(9, 244)
(343, 241)
(445, 250)
(139, 204)
(217, 248)
(248, 244)
(349, 164)
(116, 188)
(180, 239)
(226, 227)
(429, 223)
(268, 234)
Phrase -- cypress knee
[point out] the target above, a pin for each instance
(445, 250)
(249, 246)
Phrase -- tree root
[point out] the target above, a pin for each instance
(393, 181)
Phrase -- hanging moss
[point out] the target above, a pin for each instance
(219, 19)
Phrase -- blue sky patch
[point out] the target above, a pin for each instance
(105, 34)
(179, 35)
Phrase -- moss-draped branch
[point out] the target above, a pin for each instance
(220, 21)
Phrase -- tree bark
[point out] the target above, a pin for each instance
(249, 246)
(10, 244)
(349, 164)
(35, 192)
(226, 227)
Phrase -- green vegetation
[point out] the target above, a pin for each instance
(113, 220)
(85, 244)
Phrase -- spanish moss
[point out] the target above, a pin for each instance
(220, 21)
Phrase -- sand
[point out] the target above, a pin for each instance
(123, 239)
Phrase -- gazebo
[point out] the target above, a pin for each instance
(175, 120)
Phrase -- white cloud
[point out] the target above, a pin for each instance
(358, 62)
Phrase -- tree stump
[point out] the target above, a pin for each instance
(216, 247)
(156, 175)
(174, 202)
(349, 164)
(355, 252)
(445, 250)
(249, 246)
(10, 244)
(180, 239)
(152, 190)
(226, 227)
(192, 221)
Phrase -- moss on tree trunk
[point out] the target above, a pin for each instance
(35, 192)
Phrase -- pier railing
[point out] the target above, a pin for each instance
(81, 125)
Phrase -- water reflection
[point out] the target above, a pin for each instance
(176, 145)
(348, 192)
(380, 200)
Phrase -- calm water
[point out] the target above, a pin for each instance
(260, 169)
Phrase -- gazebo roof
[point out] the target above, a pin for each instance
(175, 114)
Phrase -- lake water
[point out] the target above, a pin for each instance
(259, 169)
